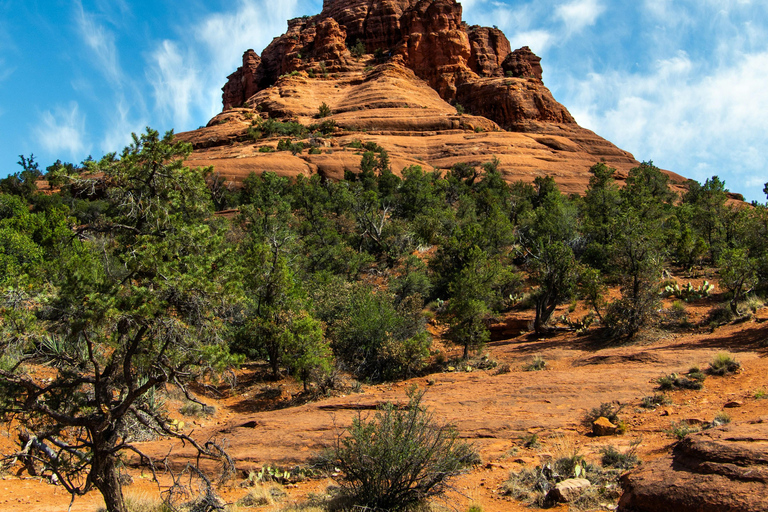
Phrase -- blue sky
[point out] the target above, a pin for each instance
(681, 82)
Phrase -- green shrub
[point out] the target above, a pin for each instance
(611, 457)
(609, 410)
(266, 149)
(400, 457)
(324, 110)
(692, 380)
(357, 50)
(654, 401)
(531, 440)
(459, 109)
(720, 315)
(723, 364)
(680, 430)
(537, 364)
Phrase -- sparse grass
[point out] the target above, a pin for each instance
(532, 483)
(260, 495)
(751, 304)
(531, 440)
(537, 364)
(611, 457)
(721, 418)
(655, 400)
(680, 430)
(761, 394)
(143, 503)
(609, 410)
(692, 380)
(723, 364)
(196, 410)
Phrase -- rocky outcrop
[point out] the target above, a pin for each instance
(243, 83)
(420, 62)
(436, 45)
(512, 102)
(522, 63)
(490, 48)
(724, 469)
(376, 24)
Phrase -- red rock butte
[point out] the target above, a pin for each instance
(415, 79)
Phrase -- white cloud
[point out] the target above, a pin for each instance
(176, 83)
(579, 14)
(699, 122)
(101, 41)
(187, 75)
(120, 128)
(538, 41)
(62, 131)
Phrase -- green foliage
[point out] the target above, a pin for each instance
(611, 457)
(723, 364)
(376, 337)
(693, 380)
(609, 410)
(537, 364)
(400, 457)
(324, 110)
(130, 308)
(679, 430)
(358, 49)
(459, 109)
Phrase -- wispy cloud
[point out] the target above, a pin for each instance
(579, 14)
(187, 74)
(101, 41)
(121, 124)
(176, 83)
(62, 131)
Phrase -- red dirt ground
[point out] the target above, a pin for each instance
(491, 409)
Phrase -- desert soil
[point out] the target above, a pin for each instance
(260, 424)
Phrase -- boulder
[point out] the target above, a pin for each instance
(568, 490)
(602, 426)
(723, 469)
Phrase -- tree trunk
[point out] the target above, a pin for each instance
(106, 478)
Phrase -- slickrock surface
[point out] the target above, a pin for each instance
(724, 469)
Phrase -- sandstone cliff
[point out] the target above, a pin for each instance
(411, 76)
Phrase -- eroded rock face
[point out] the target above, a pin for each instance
(376, 23)
(404, 97)
(243, 83)
(522, 63)
(436, 46)
(723, 469)
(490, 48)
(512, 102)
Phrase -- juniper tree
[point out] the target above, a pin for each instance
(136, 305)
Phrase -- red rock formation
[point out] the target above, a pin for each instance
(436, 45)
(489, 49)
(724, 469)
(376, 23)
(243, 83)
(523, 63)
(512, 101)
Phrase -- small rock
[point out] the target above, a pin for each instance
(733, 404)
(694, 421)
(602, 426)
(568, 490)
(665, 412)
